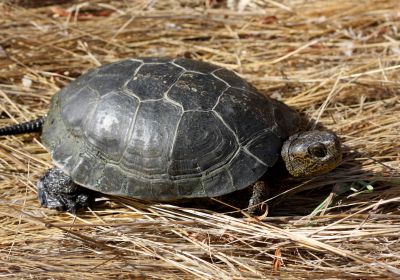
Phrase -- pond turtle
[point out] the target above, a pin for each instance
(163, 129)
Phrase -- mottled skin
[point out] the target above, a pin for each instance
(311, 153)
(165, 129)
(56, 190)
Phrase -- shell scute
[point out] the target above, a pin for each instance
(152, 81)
(109, 124)
(196, 91)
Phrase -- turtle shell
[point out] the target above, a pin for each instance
(164, 129)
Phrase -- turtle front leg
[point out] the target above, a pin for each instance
(260, 193)
(56, 190)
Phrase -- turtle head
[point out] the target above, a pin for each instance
(311, 153)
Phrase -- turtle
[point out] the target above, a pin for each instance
(163, 129)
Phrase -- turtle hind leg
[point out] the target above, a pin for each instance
(260, 193)
(56, 190)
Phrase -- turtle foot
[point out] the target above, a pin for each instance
(257, 205)
(56, 190)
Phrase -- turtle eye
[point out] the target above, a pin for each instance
(317, 150)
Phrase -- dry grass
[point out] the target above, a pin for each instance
(338, 61)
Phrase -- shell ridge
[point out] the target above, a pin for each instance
(227, 126)
(254, 156)
(129, 133)
(173, 143)
(166, 96)
(219, 98)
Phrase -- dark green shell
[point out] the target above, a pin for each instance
(164, 129)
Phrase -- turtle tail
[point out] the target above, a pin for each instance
(21, 128)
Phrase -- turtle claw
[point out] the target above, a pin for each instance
(56, 190)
